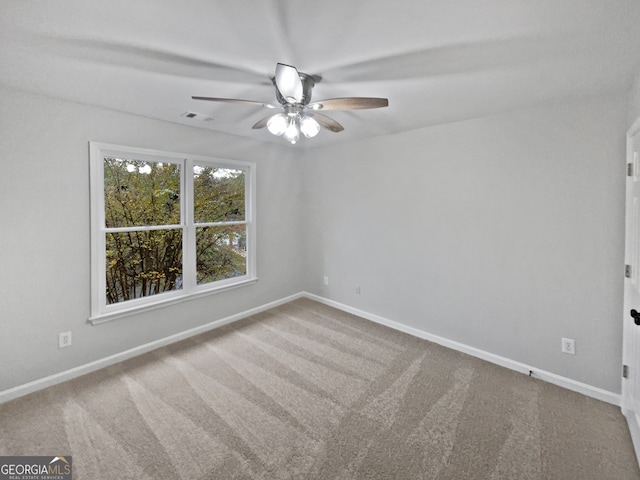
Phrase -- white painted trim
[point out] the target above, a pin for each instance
(166, 299)
(634, 128)
(549, 377)
(629, 353)
(100, 310)
(569, 384)
(634, 429)
(54, 379)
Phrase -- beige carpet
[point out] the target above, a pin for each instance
(308, 392)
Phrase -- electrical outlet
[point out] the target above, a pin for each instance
(569, 346)
(358, 290)
(326, 280)
(64, 339)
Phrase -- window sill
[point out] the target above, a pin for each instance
(107, 317)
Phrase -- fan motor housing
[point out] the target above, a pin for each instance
(308, 82)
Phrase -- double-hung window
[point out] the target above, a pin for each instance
(167, 226)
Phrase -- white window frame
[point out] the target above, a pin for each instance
(100, 310)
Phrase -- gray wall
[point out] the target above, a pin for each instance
(44, 244)
(504, 233)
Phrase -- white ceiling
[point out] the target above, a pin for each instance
(436, 61)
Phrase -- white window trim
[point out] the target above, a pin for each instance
(100, 310)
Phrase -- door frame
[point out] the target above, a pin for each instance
(632, 417)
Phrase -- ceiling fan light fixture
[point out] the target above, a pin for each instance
(293, 93)
(309, 127)
(277, 124)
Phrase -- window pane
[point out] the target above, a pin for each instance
(218, 194)
(221, 252)
(140, 193)
(143, 263)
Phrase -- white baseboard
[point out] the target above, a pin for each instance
(569, 384)
(559, 380)
(45, 382)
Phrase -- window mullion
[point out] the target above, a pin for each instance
(141, 228)
(250, 212)
(220, 224)
(189, 236)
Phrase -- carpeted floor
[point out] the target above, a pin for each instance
(304, 391)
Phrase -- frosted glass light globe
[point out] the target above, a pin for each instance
(309, 127)
(277, 124)
(292, 133)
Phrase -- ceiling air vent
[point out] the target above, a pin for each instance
(200, 117)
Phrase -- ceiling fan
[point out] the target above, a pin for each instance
(293, 92)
